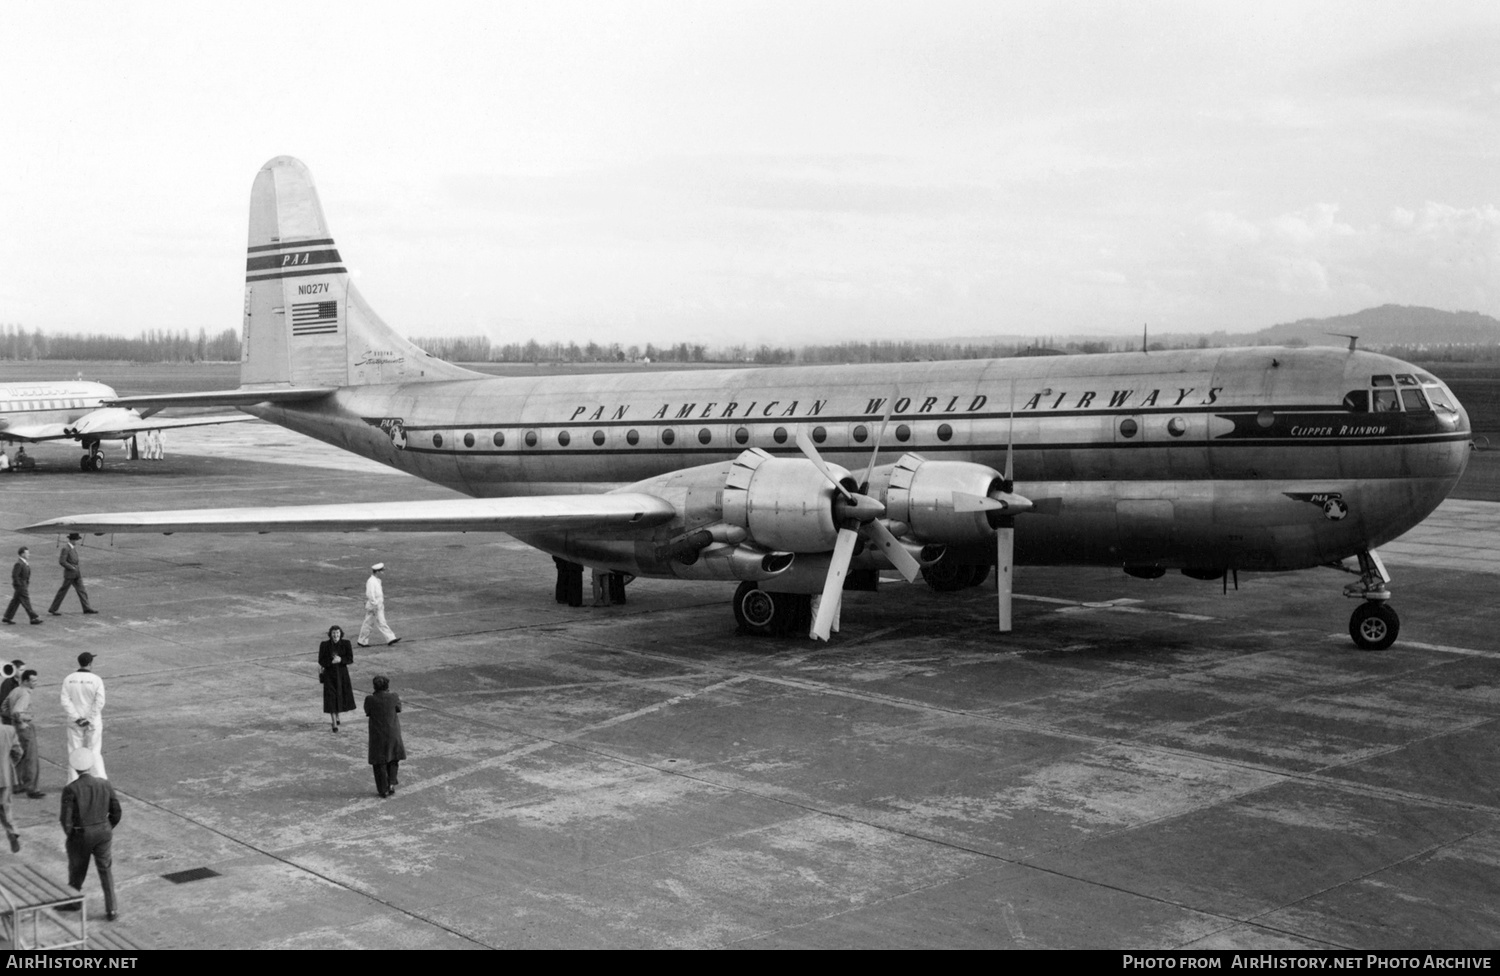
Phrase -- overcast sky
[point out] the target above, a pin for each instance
(760, 172)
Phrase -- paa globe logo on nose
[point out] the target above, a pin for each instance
(394, 427)
(1332, 502)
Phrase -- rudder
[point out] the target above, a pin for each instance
(305, 323)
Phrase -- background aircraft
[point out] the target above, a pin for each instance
(81, 411)
(1205, 461)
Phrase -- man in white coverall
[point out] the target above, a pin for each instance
(83, 702)
(375, 609)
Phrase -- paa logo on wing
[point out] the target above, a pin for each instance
(394, 427)
(1331, 502)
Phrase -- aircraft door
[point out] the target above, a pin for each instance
(1244, 447)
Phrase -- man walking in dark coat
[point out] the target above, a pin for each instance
(386, 748)
(90, 813)
(72, 576)
(20, 584)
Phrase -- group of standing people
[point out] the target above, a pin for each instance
(20, 763)
(151, 446)
(89, 811)
(20, 582)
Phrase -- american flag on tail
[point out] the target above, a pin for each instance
(315, 318)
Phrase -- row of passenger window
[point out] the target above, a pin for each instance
(27, 405)
(859, 434)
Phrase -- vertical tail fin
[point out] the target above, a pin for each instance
(305, 324)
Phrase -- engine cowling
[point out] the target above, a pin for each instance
(784, 503)
(103, 420)
(919, 493)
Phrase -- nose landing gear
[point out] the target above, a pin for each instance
(1374, 625)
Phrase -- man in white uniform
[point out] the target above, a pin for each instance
(375, 609)
(83, 702)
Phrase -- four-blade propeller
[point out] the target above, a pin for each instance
(856, 513)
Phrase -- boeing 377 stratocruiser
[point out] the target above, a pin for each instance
(1204, 461)
(77, 410)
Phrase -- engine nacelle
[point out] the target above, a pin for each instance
(741, 562)
(104, 419)
(785, 503)
(919, 492)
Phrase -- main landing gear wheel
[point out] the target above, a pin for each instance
(93, 461)
(1374, 626)
(947, 576)
(766, 614)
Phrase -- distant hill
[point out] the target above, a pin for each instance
(1388, 325)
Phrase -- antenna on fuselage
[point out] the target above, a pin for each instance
(1344, 335)
(1145, 346)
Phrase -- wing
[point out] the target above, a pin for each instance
(32, 433)
(111, 424)
(531, 513)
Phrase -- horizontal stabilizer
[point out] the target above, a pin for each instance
(530, 514)
(225, 398)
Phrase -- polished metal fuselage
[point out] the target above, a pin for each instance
(1245, 459)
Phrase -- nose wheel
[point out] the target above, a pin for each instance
(1374, 626)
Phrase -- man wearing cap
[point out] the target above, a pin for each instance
(83, 701)
(72, 576)
(20, 584)
(375, 609)
(10, 753)
(90, 812)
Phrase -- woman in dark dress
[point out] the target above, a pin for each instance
(334, 657)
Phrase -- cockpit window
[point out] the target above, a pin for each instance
(1426, 380)
(1405, 379)
(1413, 400)
(1357, 401)
(1441, 399)
(1386, 402)
(1382, 381)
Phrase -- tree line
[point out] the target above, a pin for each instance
(165, 346)
(478, 349)
(151, 346)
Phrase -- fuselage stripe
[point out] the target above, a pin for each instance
(729, 451)
(294, 274)
(288, 244)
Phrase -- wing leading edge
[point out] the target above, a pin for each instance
(530, 513)
(111, 428)
(243, 397)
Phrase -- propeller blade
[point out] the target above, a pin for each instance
(1005, 542)
(833, 586)
(806, 446)
(890, 408)
(894, 551)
